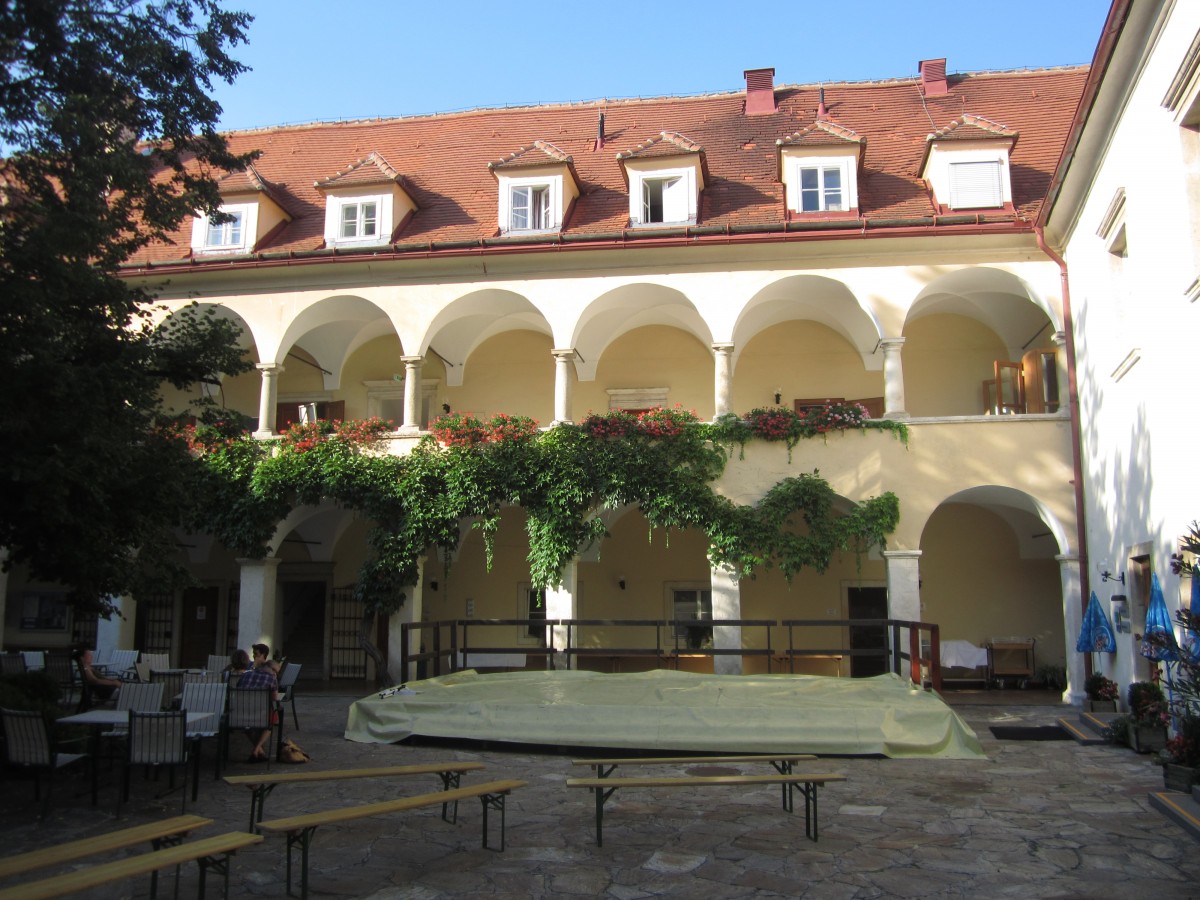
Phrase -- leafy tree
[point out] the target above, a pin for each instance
(110, 140)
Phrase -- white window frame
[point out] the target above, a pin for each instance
(940, 168)
(335, 207)
(700, 589)
(526, 609)
(359, 220)
(551, 204)
(975, 183)
(847, 168)
(683, 200)
(247, 214)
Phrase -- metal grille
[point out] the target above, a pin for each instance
(347, 660)
(231, 618)
(83, 629)
(157, 613)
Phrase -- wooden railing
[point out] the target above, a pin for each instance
(446, 646)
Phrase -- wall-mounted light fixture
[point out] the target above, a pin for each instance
(433, 585)
(1107, 575)
(778, 395)
(621, 582)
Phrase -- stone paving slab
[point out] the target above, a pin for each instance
(1035, 819)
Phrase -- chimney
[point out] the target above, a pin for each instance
(599, 133)
(822, 109)
(760, 92)
(933, 77)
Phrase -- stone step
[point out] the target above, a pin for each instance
(1082, 732)
(1098, 722)
(1182, 809)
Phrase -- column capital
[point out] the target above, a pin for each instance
(724, 347)
(1065, 559)
(565, 353)
(1059, 338)
(269, 368)
(891, 343)
(902, 554)
(265, 562)
(411, 362)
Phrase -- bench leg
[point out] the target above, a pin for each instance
(602, 796)
(303, 837)
(450, 780)
(811, 824)
(784, 767)
(492, 801)
(219, 864)
(258, 799)
(172, 840)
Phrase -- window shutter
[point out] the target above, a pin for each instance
(675, 200)
(976, 185)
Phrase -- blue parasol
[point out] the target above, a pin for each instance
(1190, 650)
(1158, 624)
(1096, 635)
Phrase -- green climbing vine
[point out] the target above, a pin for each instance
(663, 461)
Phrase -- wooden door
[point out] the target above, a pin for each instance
(1010, 388)
(198, 630)
(868, 603)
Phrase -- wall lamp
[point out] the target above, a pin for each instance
(621, 582)
(1106, 575)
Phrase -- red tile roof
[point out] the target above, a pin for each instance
(371, 169)
(665, 143)
(821, 133)
(971, 128)
(445, 158)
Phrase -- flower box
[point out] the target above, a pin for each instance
(1180, 778)
(1100, 705)
(1147, 738)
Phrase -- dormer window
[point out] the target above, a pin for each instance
(360, 220)
(537, 187)
(226, 235)
(976, 185)
(232, 236)
(665, 175)
(530, 208)
(365, 204)
(818, 166)
(967, 164)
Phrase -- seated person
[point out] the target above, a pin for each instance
(239, 664)
(95, 687)
(259, 677)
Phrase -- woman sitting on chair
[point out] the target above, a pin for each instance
(260, 677)
(95, 687)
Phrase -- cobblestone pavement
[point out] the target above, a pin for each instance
(1036, 819)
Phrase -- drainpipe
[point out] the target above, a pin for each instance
(1076, 430)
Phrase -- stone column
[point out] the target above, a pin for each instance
(561, 604)
(258, 606)
(1072, 598)
(893, 379)
(563, 384)
(722, 380)
(411, 611)
(116, 632)
(726, 604)
(268, 398)
(412, 394)
(904, 593)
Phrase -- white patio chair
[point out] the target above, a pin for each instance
(206, 697)
(156, 739)
(28, 746)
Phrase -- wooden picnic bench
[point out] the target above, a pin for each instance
(261, 785)
(805, 782)
(781, 762)
(210, 853)
(158, 834)
(300, 829)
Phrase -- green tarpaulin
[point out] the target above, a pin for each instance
(669, 710)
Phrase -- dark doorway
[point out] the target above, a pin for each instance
(868, 603)
(198, 627)
(304, 626)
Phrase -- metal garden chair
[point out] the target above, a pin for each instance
(156, 740)
(209, 698)
(249, 709)
(287, 689)
(28, 745)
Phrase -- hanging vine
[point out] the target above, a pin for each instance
(663, 462)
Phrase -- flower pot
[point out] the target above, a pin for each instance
(1100, 705)
(1147, 738)
(1180, 778)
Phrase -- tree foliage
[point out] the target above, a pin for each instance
(110, 141)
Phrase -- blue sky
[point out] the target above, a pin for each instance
(313, 60)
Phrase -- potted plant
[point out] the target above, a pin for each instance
(1181, 757)
(1148, 717)
(1102, 693)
